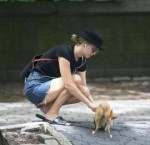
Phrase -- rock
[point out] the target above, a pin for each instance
(31, 129)
(51, 142)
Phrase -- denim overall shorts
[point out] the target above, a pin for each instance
(36, 87)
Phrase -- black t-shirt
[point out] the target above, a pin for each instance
(51, 67)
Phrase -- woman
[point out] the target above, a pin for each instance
(62, 80)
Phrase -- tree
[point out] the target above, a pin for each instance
(3, 140)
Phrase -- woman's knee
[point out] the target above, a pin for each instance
(77, 80)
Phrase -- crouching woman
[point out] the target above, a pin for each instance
(61, 81)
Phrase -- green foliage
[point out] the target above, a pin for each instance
(18, 0)
(54, 0)
(126, 39)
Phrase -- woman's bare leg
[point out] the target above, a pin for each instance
(54, 110)
(71, 100)
(57, 86)
(46, 107)
(58, 96)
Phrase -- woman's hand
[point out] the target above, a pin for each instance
(93, 107)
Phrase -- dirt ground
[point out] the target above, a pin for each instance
(13, 92)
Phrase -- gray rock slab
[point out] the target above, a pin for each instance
(132, 126)
(51, 142)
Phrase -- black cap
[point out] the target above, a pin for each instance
(93, 38)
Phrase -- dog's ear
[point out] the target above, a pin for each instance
(114, 117)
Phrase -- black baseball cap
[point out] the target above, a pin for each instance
(93, 37)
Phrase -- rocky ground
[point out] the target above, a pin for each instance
(129, 100)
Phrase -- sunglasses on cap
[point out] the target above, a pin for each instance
(95, 50)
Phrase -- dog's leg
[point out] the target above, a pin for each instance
(109, 132)
(94, 124)
(108, 129)
(97, 122)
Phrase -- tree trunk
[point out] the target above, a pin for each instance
(3, 140)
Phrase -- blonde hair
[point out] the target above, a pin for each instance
(77, 39)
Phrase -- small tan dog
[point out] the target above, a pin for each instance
(103, 118)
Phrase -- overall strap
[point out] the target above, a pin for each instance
(41, 59)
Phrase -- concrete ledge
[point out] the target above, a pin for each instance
(19, 125)
(56, 139)
(59, 137)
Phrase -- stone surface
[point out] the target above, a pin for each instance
(131, 127)
(33, 133)
(51, 142)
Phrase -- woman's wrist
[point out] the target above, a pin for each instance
(92, 106)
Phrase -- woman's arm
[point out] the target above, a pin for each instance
(84, 83)
(83, 77)
(66, 75)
